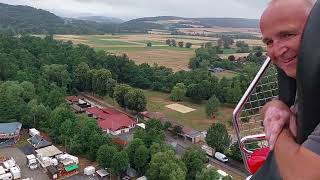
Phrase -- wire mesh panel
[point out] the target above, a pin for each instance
(246, 117)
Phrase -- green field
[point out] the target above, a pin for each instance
(156, 101)
(229, 51)
(108, 42)
(152, 42)
(126, 49)
(196, 119)
(226, 73)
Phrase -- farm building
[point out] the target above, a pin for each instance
(78, 105)
(9, 133)
(192, 135)
(147, 115)
(38, 142)
(111, 121)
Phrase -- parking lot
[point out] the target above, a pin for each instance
(20, 159)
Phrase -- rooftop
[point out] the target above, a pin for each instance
(39, 142)
(10, 128)
(49, 151)
(111, 119)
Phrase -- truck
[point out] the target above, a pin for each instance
(212, 153)
(32, 162)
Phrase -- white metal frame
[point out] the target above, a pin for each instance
(246, 117)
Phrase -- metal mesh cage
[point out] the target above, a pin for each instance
(246, 116)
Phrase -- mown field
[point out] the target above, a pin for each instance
(197, 119)
(135, 46)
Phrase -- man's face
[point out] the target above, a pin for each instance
(282, 26)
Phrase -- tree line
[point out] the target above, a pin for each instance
(69, 68)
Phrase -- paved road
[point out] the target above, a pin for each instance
(181, 146)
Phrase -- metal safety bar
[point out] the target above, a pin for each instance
(246, 116)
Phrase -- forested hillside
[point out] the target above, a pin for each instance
(25, 19)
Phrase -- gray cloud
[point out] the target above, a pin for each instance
(129, 9)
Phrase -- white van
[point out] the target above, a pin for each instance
(221, 157)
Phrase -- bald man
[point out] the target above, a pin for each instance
(282, 25)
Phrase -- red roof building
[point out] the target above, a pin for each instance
(111, 121)
(71, 99)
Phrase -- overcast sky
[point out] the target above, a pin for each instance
(130, 9)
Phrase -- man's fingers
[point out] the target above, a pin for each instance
(274, 132)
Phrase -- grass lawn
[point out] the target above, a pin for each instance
(109, 42)
(152, 42)
(226, 73)
(229, 51)
(23, 139)
(196, 119)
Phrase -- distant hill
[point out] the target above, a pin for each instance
(28, 19)
(25, 19)
(101, 19)
(171, 22)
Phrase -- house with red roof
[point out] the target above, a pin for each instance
(111, 121)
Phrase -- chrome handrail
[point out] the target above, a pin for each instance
(262, 92)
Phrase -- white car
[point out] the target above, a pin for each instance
(221, 157)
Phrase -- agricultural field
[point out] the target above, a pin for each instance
(135, 46)
(202, 30)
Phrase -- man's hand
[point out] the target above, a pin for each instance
(275, 115)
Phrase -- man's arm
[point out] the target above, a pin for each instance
(295, 161)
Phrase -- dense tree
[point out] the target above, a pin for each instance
(135, 100)
(227, 178)
(188, 45)
(57, 73)
(149, 44)
(120, 163)
(194, 159)
(96, 140)
(160, 147)
(167, 125)
(152, 134)
(212, 106)
(100, 80)
(235, 152)
(173, 43)
(218, 137)
(67, 131)
(55, 97)
(105, 155)
(29, 91)
(178, 92)
(119, 93)
(165, 166)
(57, 117)
(168, 42)
(39, 113)
(231, 58)
(141, 159)
(208, 174)
(81, 76)
(132, 149)
(181, 44)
